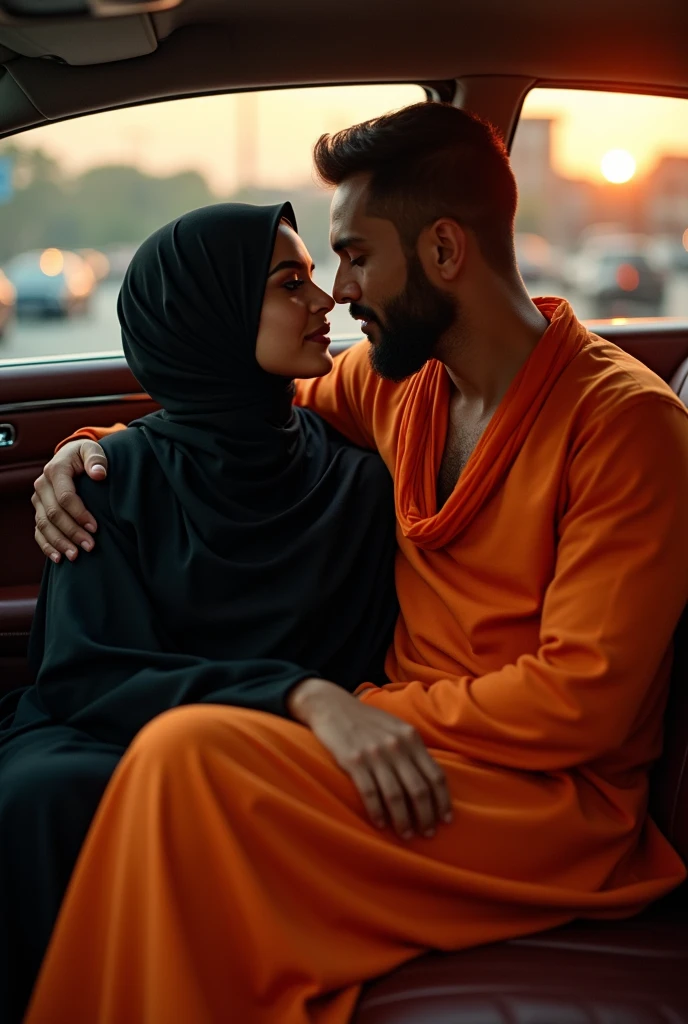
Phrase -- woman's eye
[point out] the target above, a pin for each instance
(291, 286)
(358, 262)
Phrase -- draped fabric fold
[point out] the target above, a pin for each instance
(424, 426)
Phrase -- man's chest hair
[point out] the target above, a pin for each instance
(460, 444)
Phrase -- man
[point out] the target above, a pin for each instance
(541, 490)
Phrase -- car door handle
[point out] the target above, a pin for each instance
(8, 435)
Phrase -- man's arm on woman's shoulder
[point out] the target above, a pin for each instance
(345, 396)
(90, 434)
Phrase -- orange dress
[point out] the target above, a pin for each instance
(231, 873)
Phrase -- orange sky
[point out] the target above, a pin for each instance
(214, 134)
(588, 124)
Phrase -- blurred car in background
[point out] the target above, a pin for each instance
(622, 284)
(119, 257)
(669, 254)
(97, 261)
(51, 282)
(616, 275)
(8, 298)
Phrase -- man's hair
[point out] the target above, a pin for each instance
(428, 161)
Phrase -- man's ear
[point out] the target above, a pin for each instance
(442, 250)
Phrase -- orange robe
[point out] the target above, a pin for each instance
(231, 874)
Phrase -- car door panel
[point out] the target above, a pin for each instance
(44, 403)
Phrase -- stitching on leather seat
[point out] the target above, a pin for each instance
(609, 949)
(496, 993)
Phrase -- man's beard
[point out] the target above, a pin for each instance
(413, 324)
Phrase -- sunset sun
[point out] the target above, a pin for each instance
(618, 166)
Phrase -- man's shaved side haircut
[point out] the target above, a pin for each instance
(428, 161)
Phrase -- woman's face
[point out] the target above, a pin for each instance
(292, 335)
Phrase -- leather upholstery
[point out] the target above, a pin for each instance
(669, 796)
(679, 382)
(16, 612)
(670, 781)
(661, 345)
(622, 972)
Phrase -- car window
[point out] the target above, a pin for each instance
(78, 197)
(603, 201)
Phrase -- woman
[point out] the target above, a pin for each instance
(243, 549)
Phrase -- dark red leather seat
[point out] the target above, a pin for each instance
(588, 972)
(628, 972)
(679, 382)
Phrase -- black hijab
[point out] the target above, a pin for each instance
(242, 543)
(189, 308)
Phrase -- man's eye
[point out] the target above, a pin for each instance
(358, 262)
(291, 286)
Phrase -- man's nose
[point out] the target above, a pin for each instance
(346, 288)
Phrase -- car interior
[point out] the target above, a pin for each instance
(64, 59)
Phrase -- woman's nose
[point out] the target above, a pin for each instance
(322, 301)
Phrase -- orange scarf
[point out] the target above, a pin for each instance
(423, 433)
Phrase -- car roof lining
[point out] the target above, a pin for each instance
(207, 46)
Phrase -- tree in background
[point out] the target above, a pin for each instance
(121, 205)
(102, 207)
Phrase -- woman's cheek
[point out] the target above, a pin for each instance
(299, 318)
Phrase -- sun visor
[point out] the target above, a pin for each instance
(81, 41)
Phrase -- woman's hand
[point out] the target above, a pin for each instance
(399, 782)
(62, 522)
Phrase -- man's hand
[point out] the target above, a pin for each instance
(62, 522)
(399, 782)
